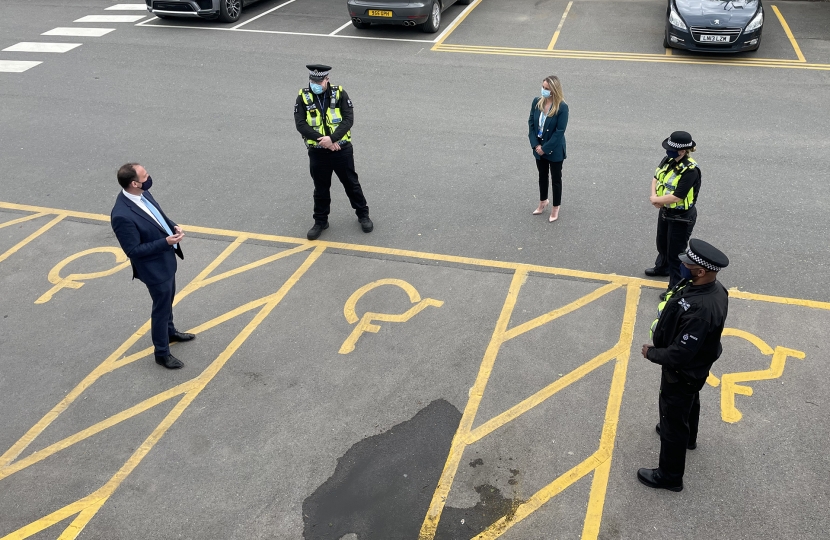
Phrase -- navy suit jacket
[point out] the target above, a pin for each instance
(553, 137)
(144, 241)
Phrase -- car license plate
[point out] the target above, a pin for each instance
(379, 13)
(714, 39)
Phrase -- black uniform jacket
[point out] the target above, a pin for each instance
(322, 101)
(687, 336)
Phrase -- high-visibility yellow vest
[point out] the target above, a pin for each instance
(315, 119)
(668, 175)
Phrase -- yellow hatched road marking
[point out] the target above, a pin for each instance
(15, 248)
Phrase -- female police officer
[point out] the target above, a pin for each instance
(674, 190)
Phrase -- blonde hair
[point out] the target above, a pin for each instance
(555, 92)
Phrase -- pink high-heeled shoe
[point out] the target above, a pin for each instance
(541, 207)
(553, 218)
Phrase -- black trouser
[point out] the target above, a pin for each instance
(161, 322)
(550, 171)
(322, 163)
(672, 238)
(679, 418)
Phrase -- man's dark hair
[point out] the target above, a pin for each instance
(126, 174)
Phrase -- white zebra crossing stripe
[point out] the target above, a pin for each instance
(36, 47)
(127, 7)
(110, 18)
(82, 32)
(16, 66)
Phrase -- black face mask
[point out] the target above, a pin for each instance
(147, 183)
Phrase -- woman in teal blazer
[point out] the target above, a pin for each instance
(546, 131)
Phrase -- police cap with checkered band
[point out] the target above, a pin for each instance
(704, 254)
(679, 140)
(318, 72)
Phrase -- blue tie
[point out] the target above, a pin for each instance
(153, 210)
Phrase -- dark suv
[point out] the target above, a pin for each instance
(224, 10)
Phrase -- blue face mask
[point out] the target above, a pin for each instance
(672, 153)
(545, 92)
(685, 273)
(316, 88)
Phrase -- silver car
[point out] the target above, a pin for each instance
(224, 10)
(423, 13)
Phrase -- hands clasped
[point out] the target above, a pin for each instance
(328, 144)
(176, 237)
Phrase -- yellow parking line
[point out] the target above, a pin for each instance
(559, 28)
(455, 24)
(789, 33)
(668, 52)
(15, 248)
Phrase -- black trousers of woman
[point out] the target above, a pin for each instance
(672, 238)
(550, 171)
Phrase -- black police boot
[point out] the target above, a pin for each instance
(169, 361)
(314, 232)
(690, 446)
(366, 224)
(652, 479)
(652, 272)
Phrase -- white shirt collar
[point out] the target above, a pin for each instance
(135, 198)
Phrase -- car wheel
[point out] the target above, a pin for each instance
(434, 22)
(230, 10)
(361, 25)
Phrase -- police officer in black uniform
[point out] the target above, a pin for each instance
(674, 190)
(324, 116)
(686, 338)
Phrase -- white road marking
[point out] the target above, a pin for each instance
(16, 66)
(283, 33)
(28, 46)
(341, 28)
(151, 19)
(109, 18)
(127, 7)
(82, 32)
(252, 19)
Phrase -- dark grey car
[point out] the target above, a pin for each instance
(423, 13)
(720, 26)
(224, 10)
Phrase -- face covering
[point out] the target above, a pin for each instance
(147, 183)
(685, 273)
(545, 92)
(316, 88)
(672, 153)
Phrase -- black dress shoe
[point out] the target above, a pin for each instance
(169, 361)
(314, 232)
(652, 479)
(366, 224)
(180, 336)
(652, 272)
(691, 446)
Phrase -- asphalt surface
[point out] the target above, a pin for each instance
(291, 439)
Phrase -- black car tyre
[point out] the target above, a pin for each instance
(434, 22)
(361, 25)
(230, 10)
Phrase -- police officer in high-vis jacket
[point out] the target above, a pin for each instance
(674, 190)
(324, 116)
(686, 337)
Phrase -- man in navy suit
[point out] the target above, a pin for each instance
(152, 242)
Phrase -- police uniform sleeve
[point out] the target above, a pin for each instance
(687, 182)
(299, 120)
(691, 334)
(347, 111)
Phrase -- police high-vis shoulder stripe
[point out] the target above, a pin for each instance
(668, 176)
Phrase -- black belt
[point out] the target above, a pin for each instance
(680, 217)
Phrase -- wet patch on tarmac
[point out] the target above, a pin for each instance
(465, 523)
(382, 486)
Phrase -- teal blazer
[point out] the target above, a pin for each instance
(553, 138)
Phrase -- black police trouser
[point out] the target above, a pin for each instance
(550, 172)
(322, 163)
(672, 239)
(161, 320)
(679, 418)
